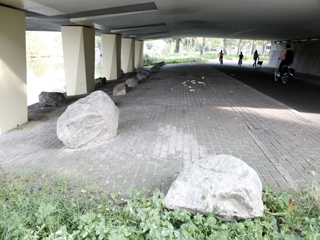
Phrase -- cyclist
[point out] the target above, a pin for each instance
(240, 58)
(221, 56)
(286, 56)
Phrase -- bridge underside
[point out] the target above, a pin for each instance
(144, 19)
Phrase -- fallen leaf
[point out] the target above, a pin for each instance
(290, 207)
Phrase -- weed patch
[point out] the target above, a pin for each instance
(54, 210)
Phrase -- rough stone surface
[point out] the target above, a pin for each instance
(90, 120)
(223, 185)
(100, 80)
(132, 82)
(146, 73)
(162, 63)
(154, 69)
(120, 89)
(141, 76)
(52, 99)
(158, 66)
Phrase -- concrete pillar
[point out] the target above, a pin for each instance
(13, 69)
(111, 54)
(138, 61)
(127, 55)
(78, 52)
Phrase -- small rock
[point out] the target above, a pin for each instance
(52, 99)
(120, 89)
(132, 82)
(100, 80)
(141, 76)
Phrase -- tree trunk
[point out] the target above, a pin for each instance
(239, 47)
(263, 46)
(253, 46)
(203, 45)
(177, 49)
(193, 44)
(225, 46)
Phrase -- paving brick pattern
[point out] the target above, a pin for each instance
(164, 126)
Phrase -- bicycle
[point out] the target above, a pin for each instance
(285, 73)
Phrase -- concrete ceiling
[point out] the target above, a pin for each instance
(146, 19)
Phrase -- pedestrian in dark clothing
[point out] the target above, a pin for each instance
(255, 57)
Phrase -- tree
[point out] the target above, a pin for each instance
(193, 44)
(225, 46)
(98, 41)
(254, 43)
(177, 48)
(203, 45)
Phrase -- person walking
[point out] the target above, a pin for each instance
(255, 57)
(240, 59)
(221, 57)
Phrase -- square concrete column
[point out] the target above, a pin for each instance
(78, 53)
(111, 54)
(127, 55)
(13, 69)
(138, 61)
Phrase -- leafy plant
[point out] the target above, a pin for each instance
(54, 209)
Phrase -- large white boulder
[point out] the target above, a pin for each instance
(89, 120)
(223, 185)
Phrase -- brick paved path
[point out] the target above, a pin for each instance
(163, 126)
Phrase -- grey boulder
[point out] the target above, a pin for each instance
(223, 185)
(141, 76)
(120, 89)
(100, 80)
(52, 99)
(146, 73)
(131, 82)
(154, 69)
(88, 121)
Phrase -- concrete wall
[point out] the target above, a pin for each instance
(111, 54)
(78, 53)
(306, 56)
(138, 60)
(13, 69)
(127, 55)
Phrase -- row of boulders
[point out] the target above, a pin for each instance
(123, 88)
(56, 99)
(94, 118)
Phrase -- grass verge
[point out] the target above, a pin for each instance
(52, 209)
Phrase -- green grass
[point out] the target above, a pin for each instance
(189, 57)
(53, 209)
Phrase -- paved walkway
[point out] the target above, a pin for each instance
(163, 126)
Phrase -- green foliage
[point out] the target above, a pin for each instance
(52, 209)
(185, 57)
(43, 44)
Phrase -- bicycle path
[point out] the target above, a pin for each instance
(164, 126)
